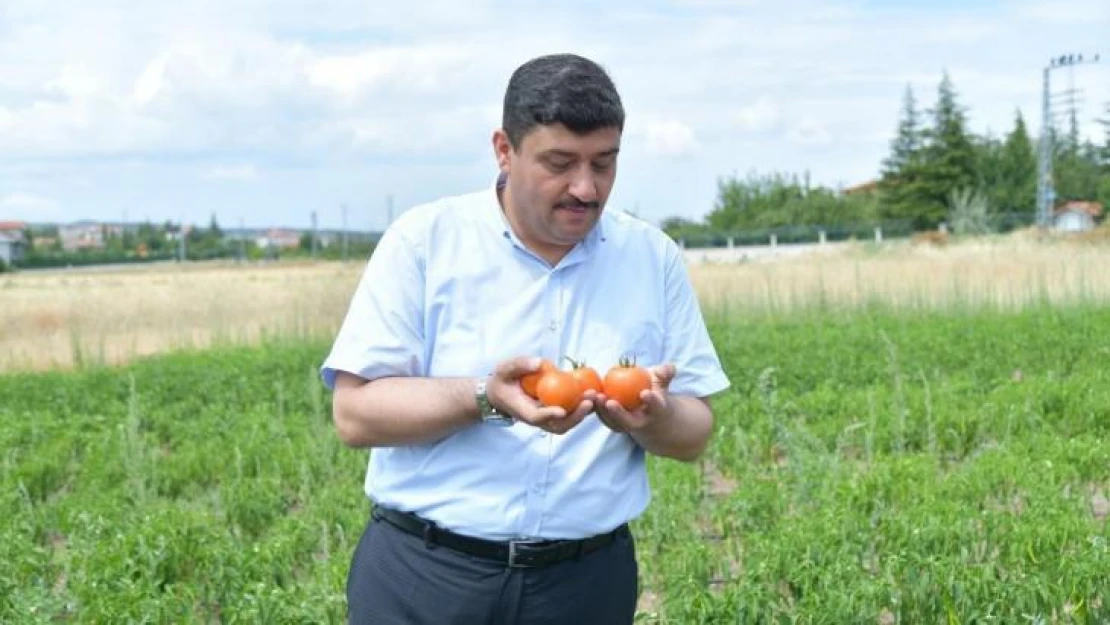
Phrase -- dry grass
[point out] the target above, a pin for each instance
(59, 319)
(1004, 273)
(52, 320)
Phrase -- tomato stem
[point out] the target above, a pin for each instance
(574, 363)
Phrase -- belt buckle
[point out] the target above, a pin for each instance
(514, 552)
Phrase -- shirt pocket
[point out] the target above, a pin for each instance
(639, 340)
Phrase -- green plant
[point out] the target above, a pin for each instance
(969, 212)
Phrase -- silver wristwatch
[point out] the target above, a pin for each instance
(489, 413)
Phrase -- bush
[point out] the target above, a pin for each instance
(970, 213)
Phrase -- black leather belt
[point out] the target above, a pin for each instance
(513, 553)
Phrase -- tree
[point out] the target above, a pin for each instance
(900, 179)
(1017, 187)
(686, 230)
(949, 157)
(1104, 178)
(1075, 166)
(214, 232)
(1105, 122)
(990, 170)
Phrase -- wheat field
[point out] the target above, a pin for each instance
(63, 319)
(68, 318)
(1004, 273)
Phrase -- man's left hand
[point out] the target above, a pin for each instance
(654, 408)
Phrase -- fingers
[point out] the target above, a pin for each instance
(654, 402)
(607, 421)
(607, 413)
(662, 375)
(563, 423)
(611, 413)
(514, 368)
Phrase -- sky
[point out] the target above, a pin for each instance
(263, 111)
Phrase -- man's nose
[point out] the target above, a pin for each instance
(584, 186)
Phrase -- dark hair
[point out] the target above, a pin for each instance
(560, 89)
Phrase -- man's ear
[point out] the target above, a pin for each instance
(502, 149)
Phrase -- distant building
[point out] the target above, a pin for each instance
(13, 245)
(12, 248)
(1076, 216)
(280, 239)
(81, 236)
(863, 188)
(45, 243)
(16, 228)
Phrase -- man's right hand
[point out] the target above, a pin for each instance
(507, 395)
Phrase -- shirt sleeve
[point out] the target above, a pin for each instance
(382, 333)
(698, 370)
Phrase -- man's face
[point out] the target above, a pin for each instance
(559, 181)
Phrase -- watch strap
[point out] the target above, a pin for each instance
(489, 412)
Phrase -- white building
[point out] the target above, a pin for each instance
(11, 249)
(1076, 216)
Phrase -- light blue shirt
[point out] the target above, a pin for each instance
(451, 291)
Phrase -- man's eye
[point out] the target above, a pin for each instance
(558, 165)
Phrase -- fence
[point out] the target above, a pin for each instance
(859, 231)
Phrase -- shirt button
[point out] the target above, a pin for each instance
(553, 326)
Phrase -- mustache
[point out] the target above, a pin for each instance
(578, 204)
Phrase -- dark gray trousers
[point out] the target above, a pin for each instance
(396, 579)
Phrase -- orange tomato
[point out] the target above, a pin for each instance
(587, 377)
(559, 388)
(529, 381)
(625, 381)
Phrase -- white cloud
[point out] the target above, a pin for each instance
(962, 31)
(763, 115)
(670, 138)
(22, 206)
(809, 131)
(233, 172)
(1072, 12)
(423, 70)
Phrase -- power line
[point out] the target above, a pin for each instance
(1046, 193)
(344, 207)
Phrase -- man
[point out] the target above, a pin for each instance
(487, 507)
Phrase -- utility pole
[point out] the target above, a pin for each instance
(344, 209)
(1046, 194)
(181, 240)
(389, 210)
(314, 236)
(242, 242)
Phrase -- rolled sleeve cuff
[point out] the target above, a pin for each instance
(700, 386)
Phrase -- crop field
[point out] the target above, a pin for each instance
(913, 436)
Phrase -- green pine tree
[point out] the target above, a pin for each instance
(1017, 192)
(1105, 122)
(949, 157)
(990, 169)
(1075, 166)
(1104, 162)
(901, 174)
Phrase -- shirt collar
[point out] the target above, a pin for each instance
(496, 216)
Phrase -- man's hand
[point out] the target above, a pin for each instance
(674, 426)
(507, 395)
(655, 405)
